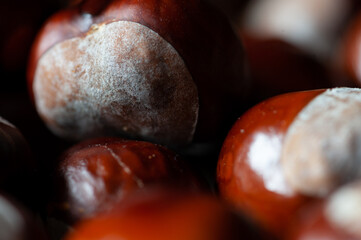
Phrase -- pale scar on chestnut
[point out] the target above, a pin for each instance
(122, 79)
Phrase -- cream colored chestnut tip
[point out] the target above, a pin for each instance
(322, 147)
(343, 209)
(122, 78)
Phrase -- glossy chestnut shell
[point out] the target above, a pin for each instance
(165, 214)
(247, 166)
(94, 174)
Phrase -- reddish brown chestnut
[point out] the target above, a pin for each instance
(165, 71)
(163, 215)
(336, 218)
(289, 149)
(350, 50)
(94, 174)
(277, 67)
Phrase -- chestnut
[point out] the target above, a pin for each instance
(313, 25)
(276, 67)
(289, 150)
(17, 223)
(162, 214)
(349, 57)
(231, 8)
(336, 218)
(162, 71)
(94, 174)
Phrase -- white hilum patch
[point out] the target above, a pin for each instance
(121, 77)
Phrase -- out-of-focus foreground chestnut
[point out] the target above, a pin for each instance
(164, 71)
(336, 218)
(157, 214)
(16, 223)
(288, 150)
(94, 174)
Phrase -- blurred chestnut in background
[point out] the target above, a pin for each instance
(231, 8)
(312, 25)
(94, 174)
(335, 218)
(165, 71)
(277, 67)
(163, 215)
(17, 223)
(288, 150)
(350, 51)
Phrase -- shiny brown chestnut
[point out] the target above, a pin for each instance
(17, 223)
(159, 214)
(289, 150)
(336, 218)
(94, 174)
(163, 71)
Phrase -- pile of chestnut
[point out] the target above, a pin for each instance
(181, 120)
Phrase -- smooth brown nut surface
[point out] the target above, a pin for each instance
(288, 150)
(277, 67)
(335, 218)
(165, 214)
(94, 174)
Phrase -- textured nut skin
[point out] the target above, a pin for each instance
(94, 174)
(321, 149)
(203, 38)
(165, 214)
(120, 78)
(261, 130)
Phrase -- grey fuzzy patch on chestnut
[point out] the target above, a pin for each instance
(322, 147)
(122, 79)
